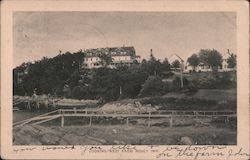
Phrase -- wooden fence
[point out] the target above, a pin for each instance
(170, 114)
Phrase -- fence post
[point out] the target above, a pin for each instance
(29, 104)
(90, 120)
(62, 119)
(171, 122)
(149, 114)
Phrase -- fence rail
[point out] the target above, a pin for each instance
(89, 113)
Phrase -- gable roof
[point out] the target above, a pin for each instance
(114, 51)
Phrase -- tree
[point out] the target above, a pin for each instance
(152, 66)
(231, 61)
(165, 65)
(176, 64)
(152, 86)
(211, 58)
(193, 61)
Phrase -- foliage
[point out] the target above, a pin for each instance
(154, 66)
(193, 60)
(211, 58)
(231, 61)
(63, 76)
(48, 75)
(176, 64)
(216, 80)
(176, 84)
(152, 86)
(175, 103)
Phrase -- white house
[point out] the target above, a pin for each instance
(120, 56)
(205, 68)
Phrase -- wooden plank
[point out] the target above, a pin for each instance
(30, 120)
(171, 122)
(149, 119)
(62, 121)
(90, 121)
(49, 119)
(138, 115)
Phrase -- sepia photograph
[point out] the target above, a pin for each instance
(85, 78)
(125, 80)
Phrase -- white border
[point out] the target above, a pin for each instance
(7, 9)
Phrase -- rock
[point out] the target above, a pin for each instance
(63, 142)
(114, 130)
(102, 141)
(138, 104)
(50, 139)
(25, 139)
(119, 142)
(80, 140)
(187, 140)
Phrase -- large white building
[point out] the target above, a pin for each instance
(119, 55)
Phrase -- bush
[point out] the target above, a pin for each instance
(192, 87)
(152, 86)
(176, 84)
(217, 81)
(79, 92)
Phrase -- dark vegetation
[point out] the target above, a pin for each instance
(64, 76)
(171, 103)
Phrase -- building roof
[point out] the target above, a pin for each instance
(114, 51)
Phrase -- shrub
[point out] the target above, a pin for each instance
(152, 86)
(192, 88)
(79, 92)
(176, 84)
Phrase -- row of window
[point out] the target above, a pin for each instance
(116, 64)
(97, 59)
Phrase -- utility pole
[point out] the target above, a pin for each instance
(182, 65)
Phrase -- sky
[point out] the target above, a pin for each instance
(43, 34)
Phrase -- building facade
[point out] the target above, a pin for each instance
(119, 56)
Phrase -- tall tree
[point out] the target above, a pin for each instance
(231, 61)
(193, 60)
(210, 57)
(176, 64)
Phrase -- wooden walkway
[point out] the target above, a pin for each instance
(170, 114)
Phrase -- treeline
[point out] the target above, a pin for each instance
(63, 76)
(46, 76)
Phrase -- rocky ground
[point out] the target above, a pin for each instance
(121, 134)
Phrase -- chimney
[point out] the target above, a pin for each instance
(151, 51)
(228, 51)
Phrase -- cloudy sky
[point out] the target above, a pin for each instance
(39, 34)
